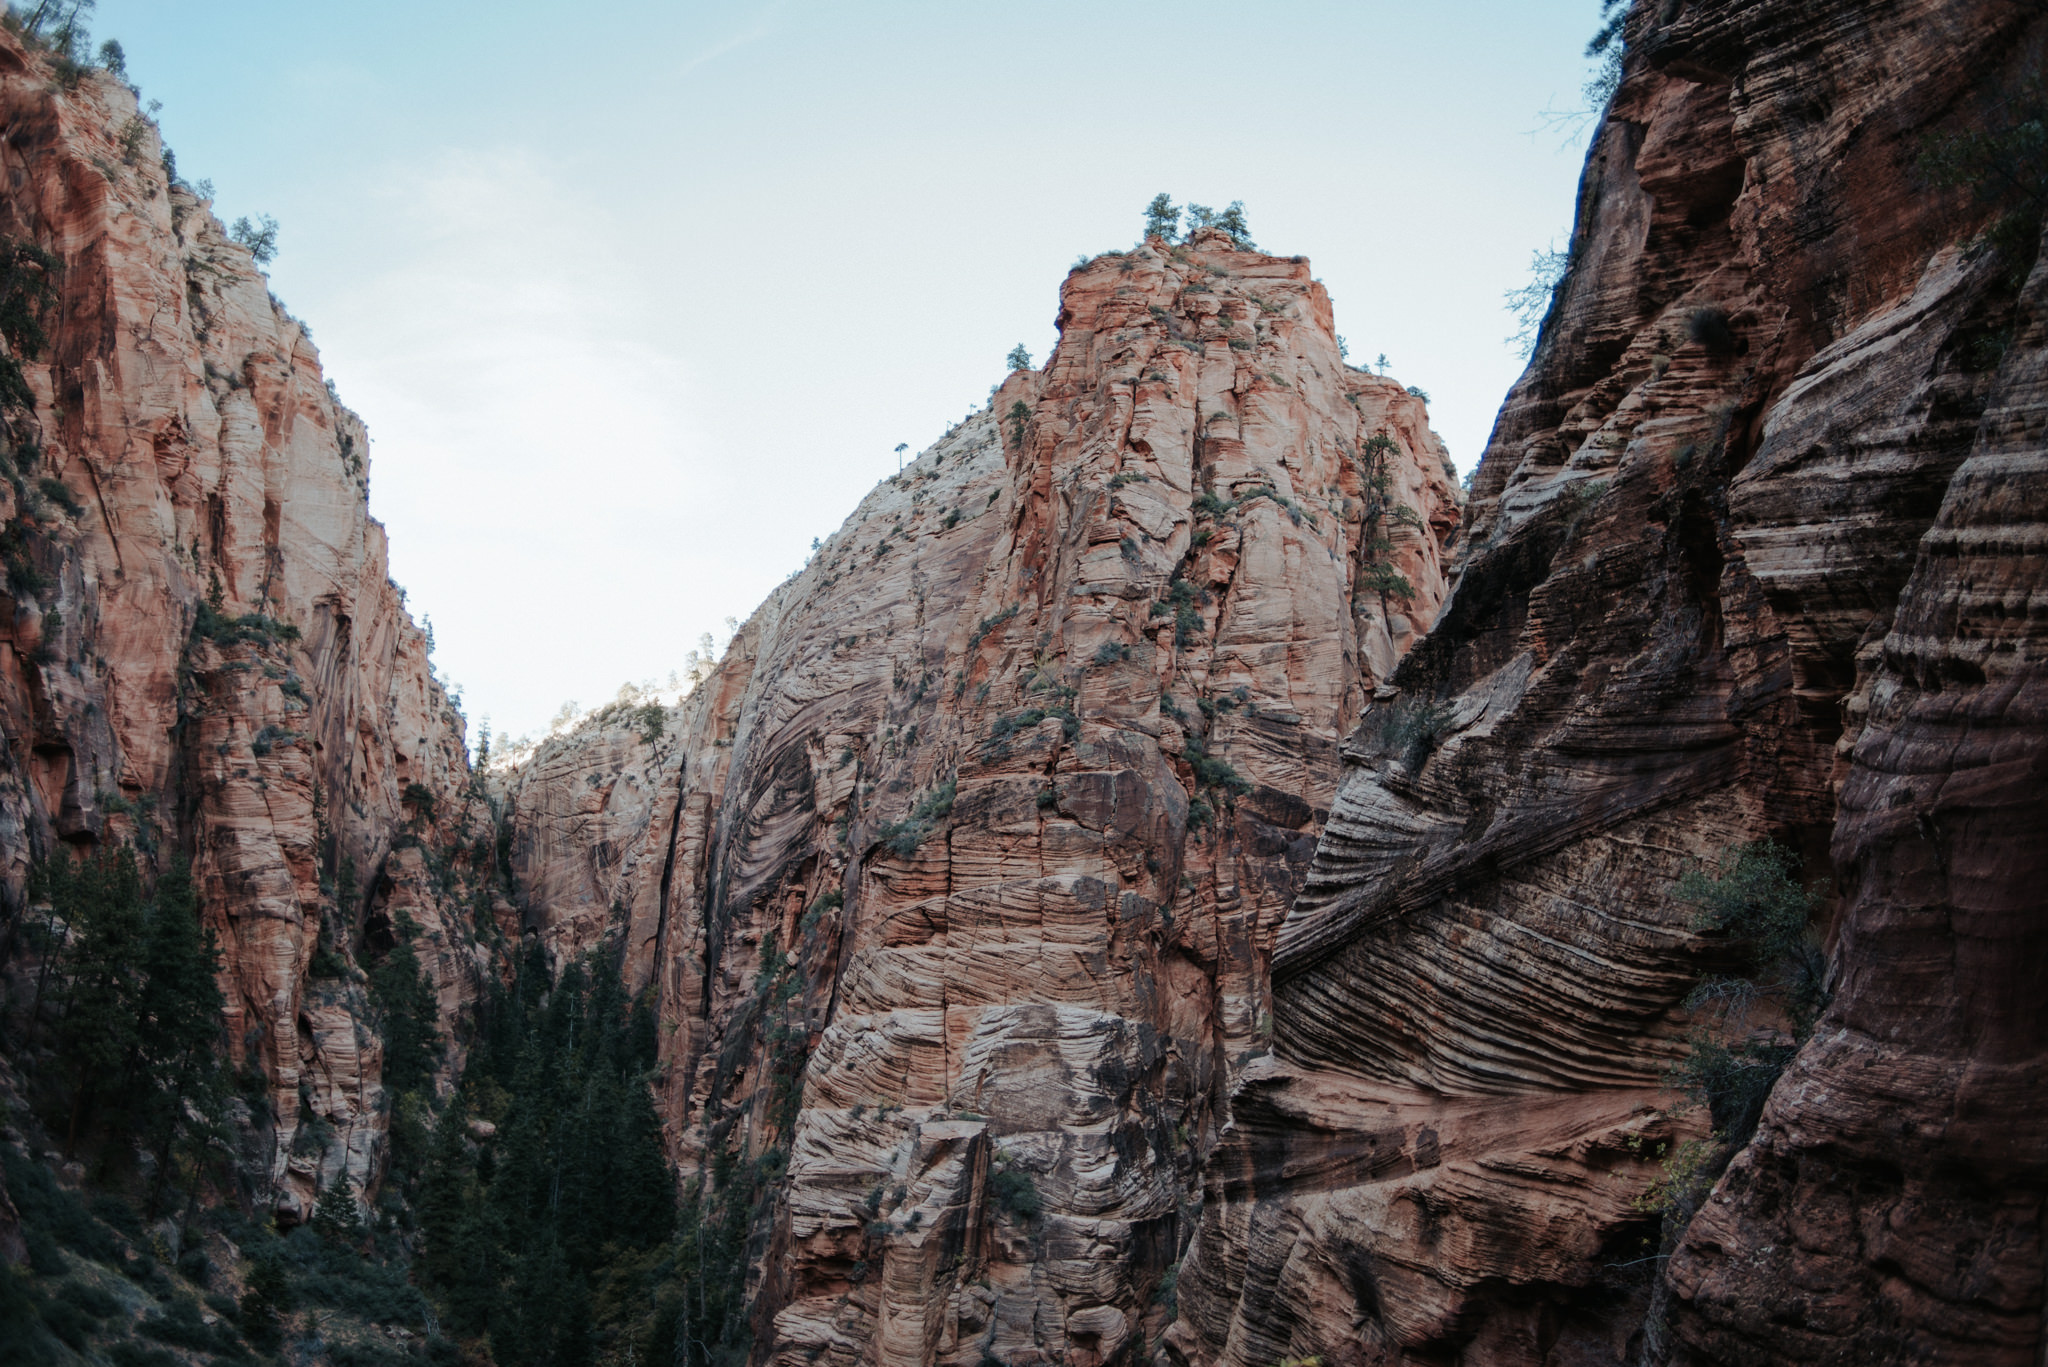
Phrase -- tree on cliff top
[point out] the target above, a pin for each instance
(260, 237)
(1162, 218)
(59, 24)
(1229, 220)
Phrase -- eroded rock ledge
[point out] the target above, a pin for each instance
(968, 859)
(1756, 550)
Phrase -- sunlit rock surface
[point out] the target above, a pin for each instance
(959, 877)
(184, 416)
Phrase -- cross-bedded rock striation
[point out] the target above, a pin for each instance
(959, 876)
(1755, 551)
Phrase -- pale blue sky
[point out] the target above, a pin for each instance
(639, 298)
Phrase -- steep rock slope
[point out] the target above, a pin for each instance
(957, 879)
(184, 447)
(1755, 551)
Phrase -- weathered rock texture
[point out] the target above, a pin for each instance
(1756, 550)
(958, 878)
(183, 443)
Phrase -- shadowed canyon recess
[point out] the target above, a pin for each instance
(1174, 879)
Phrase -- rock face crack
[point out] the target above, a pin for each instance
(236, 678)
(1752, 553)
(1023, 745)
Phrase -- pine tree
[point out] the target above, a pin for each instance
(337, 1218)
(412, 1013)
(1231, 221)
(99, 898)
(1162, 218)
(177, 1058)
(575, 1180)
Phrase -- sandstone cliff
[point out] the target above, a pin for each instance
(958, 878)
(183, 446)
(1755, 551)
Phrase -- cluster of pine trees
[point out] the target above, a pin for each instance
(534, 1208)
(123, 1030)
(547, 1204)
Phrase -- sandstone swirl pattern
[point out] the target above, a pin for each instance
(969, 857)
(1756, 549)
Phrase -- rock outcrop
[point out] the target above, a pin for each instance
(958, 878)
(1755, 551)
(200, 648)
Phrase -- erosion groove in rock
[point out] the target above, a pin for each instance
(1755, 551)
(979, 835)
(1171, 880)
(183, 413)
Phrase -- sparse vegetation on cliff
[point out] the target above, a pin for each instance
(903, 837)
(2003, 165)
(1749, 1023)
(1531, 303)
(1162, 221)
(1751, 897)
(28, 286)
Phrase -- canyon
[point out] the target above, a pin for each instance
(1174, 878)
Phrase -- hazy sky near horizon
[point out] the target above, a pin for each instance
(638, 299)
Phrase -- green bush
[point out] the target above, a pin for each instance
(67, 1322)
(1009, 725)
(1751, 894)
(88, 1298)
(129, 1353)
(1211, 772)
(320, 1273)
(1411, 729)
(180, 1325)
(253, 627)
(267, 739)
(56, 1214)
(903, 837)
(2003, 164)
(1731, 1079)
(1016, 1193)
(829, 900)
(59, 493)
(990, 623)
(1711, 328)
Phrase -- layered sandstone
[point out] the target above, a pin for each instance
(183, 446)
(958, 878)
(1755, 551)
